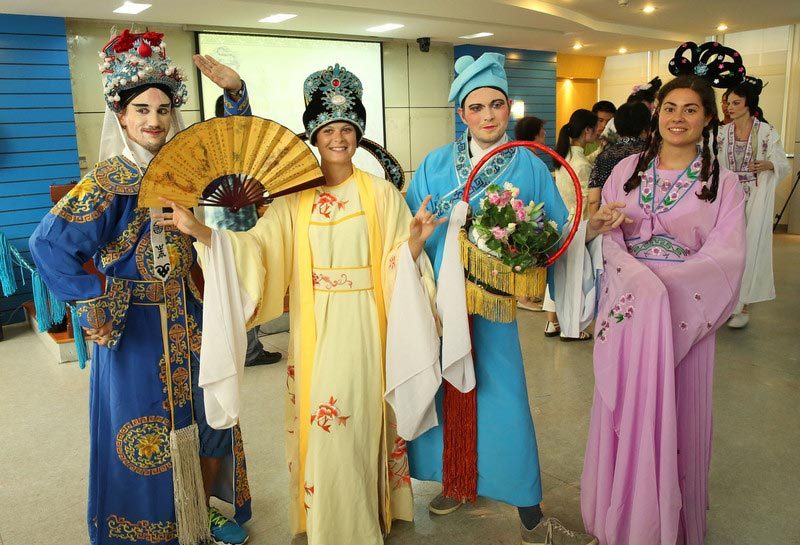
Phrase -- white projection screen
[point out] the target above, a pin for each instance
(275, 67)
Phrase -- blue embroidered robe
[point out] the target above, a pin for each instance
(138, 391)
(508, 459)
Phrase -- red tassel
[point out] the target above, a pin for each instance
(460, 456)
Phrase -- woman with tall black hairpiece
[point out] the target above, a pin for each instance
(752, 148)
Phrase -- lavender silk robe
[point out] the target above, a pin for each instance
(671, 280)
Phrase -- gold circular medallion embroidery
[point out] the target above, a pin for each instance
(96, 317)
(177, 333)
(143, 445)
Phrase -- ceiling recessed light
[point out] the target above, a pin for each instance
(722, 27)
(648, 9)
(476, 35)
(622, 50)
(132, 8)
(385, 28)
(278, 18)
(577, 45)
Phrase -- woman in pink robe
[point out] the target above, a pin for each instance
(671, 279)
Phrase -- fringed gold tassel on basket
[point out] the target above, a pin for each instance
(492, 306)
(191, 513)
(490, 271)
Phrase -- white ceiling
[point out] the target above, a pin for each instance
(553, 25)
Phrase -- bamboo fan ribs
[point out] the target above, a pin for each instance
(232, 162)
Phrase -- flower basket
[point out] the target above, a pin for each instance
(493, 286)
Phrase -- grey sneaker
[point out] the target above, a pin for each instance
(550, 531)
(441, 505)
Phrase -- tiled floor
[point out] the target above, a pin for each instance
(755, 481)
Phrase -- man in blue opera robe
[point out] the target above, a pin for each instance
(507, 456)
(145, 407)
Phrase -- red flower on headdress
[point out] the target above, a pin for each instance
(125, 41)
(153, 38)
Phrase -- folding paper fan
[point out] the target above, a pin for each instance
(213, 163)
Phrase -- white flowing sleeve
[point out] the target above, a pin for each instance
(576, 276)
(413, 374)
(226, 308)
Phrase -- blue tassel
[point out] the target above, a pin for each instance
(40, 302)
(80, 343)
(7, 279)
(58, 309)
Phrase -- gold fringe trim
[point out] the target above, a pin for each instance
(497, 308)
(490, 271)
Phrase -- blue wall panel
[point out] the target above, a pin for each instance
(38, 146)
(531, 78)
(34, 26)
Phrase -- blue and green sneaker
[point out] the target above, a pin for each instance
(225, 531)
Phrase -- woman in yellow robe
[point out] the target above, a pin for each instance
(337, 249)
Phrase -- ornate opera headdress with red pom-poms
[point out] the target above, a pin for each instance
(719, 65)
(136, 60)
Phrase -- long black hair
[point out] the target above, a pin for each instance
(579, 121)
(709, 171)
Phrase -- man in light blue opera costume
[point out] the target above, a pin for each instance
(146, 416)
(507, 456)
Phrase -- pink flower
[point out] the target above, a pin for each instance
(522, 215)
(517, 204)
(494, 199)
(499, 233)
(504, 198)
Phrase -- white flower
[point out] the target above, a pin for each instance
(134, 79)
(123, 81)
(511, 227)
(115, 98)
(552, 224)
(480, 241)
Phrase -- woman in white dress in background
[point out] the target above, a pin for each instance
(752, 148)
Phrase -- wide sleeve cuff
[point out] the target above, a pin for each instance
(109, 308)
(237, 105)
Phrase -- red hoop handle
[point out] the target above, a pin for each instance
(577, 184)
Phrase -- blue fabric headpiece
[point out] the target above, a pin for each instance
(487, 71)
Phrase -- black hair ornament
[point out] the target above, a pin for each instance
(721, 66)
